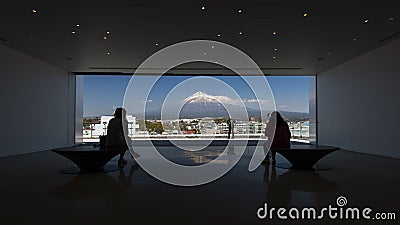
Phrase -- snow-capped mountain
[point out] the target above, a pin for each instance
(200, 105)
(201, 97)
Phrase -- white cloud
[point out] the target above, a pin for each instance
(282, 106)
(260, 101)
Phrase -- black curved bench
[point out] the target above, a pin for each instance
(304, 156)
(88, 158)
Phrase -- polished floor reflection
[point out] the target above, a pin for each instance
(32, 190)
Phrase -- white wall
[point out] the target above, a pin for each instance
(78, 103)
(35, 101)
(359, 103)
(312, 109)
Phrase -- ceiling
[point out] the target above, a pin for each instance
(332, 33)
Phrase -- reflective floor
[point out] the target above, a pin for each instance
(32, 191)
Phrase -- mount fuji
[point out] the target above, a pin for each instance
(200, 105)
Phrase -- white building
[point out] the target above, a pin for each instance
(256, 127)
(223, 128)
(208, 126)
(241, 127)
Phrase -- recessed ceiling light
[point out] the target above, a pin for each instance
(218, 35)
(108, 53)
(203, 8)
(212, 46)
(274, 33)
(240, 32)
(391, 18)
(78, 25)
(105, 38)
(205, 53)
(305, 14)
(34, 11)
(275, 49)
(73, 32)
(329, 53)
(366, 20)
(156, 44)
(354, 39)
(107, 32)
(274, 57)
(239, 11)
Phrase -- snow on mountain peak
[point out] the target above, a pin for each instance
(204, 98)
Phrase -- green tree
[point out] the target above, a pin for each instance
(155, 126)
(220, 120)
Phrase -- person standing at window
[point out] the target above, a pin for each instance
(280, 138)
(117, 133)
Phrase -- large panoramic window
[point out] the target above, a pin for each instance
(196, 106)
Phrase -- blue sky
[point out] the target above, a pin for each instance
(102, 92)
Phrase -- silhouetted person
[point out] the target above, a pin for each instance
(116, 137)
(281, 138)
(229, 127)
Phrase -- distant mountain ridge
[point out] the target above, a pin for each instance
(200, 105)
(295, 116)
(199, 111)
